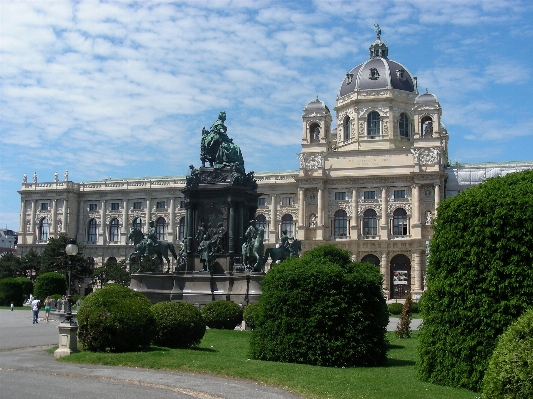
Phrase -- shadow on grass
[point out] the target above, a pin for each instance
(391, 362)
(165, 349)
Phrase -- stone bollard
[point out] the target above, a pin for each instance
(68, 340)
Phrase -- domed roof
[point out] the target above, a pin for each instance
(378, 73)
(426, 98)
(316, 105)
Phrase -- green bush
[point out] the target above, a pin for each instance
(177, 325)
(48, 284)
(223, 315)
(510, 371)
(11, 290)
(115, 319)
(414, 307)
(322, 309)
(395, 308)
(479, 278)
(27, 286)
(250, 314)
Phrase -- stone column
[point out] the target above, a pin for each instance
(32, 222)
(385, 272)
(103, 234)
(354, 225)
(65, 216)
(274, 219)
(416, 279)
(148, 215)
(125, 222)
(437, 197)
(22, 223)
(171, 226)
(300, 230)
(320, 216)
(53, 233)
(384, 215)
(416, 226)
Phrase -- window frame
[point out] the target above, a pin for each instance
(399, 222)
(340, 223)
(373, 124)
(115, 206)
(92, 231)
(114, 230)
(368, 196)
(161, 228)
(370, 222)
(287, 223)
(137, 205)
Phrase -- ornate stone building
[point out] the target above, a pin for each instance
(370, 185)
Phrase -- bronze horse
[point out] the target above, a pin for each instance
(160, 249)
(280, 254)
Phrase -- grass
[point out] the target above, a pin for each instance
(225, 353)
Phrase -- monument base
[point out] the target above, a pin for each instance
(68, 340)
(199, 288)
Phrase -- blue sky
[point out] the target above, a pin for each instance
(122, 89)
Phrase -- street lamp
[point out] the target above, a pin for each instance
(72, 250)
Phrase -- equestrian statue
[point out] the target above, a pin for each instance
(148, 246)
(286, 249)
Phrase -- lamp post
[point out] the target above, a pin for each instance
(68, 329)
(72, 250)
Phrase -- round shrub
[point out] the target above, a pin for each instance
(177, 325)
(479, 278)
(322, 309)
(395, 308)
(27, 286)
(48, 284)
(11, 290)
(223, 315)
(250, 314)
(115, 319)
(510, 371)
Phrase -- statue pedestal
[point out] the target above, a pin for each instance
(68, 340)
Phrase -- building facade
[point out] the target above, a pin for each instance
(370, 185)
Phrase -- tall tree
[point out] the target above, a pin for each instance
(55, 259)
(9, 265)
(31, 265)
(111, 272)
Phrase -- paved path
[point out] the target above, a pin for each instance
(27, 371)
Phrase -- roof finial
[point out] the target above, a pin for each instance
(378, 30)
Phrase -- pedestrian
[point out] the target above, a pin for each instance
(12, 305)
(47, 306)
(35, 305)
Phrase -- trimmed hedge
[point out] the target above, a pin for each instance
(222, 315)
(48, 284)
(115, 319)
(250, 314)
(11, 290)
(322, 309)
(510, 371)
(178, 325)
(479, 278)
(395, 308)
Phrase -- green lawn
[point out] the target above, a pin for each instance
(224, 353)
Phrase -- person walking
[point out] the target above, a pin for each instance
(12, 305)
(47, 306)
(35, 305)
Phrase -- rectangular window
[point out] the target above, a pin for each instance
(261, 201)
(115, 206)
(286, 201)
(369, 195)
(399, 194)
(44, 206)
(160, 205)
(93, 207)
(137, 205)
(340, 196)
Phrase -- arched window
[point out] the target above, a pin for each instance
(427, 126)
(44, 229)
(261, 222)
(370, 223)
(314, 133)
(373, 259)
(161, 228)
(138, 224)
(181, 229)
(346, 128)
(287, 223)
(340, 223)
(114, 230)
(404, 125)
(92, 231)
(399, 222)
(373, 124)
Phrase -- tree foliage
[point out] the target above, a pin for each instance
(403, 330)
(55, 259)
(31, 265)
(223, 315)
(322, 309)
(178, 325)
(49, 284)
(479, 278)
(111, 272)
(11, 290)
(10, 265)
(510, 371)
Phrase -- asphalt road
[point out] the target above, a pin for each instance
(27, 371)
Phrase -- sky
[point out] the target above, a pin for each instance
(121, 89)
